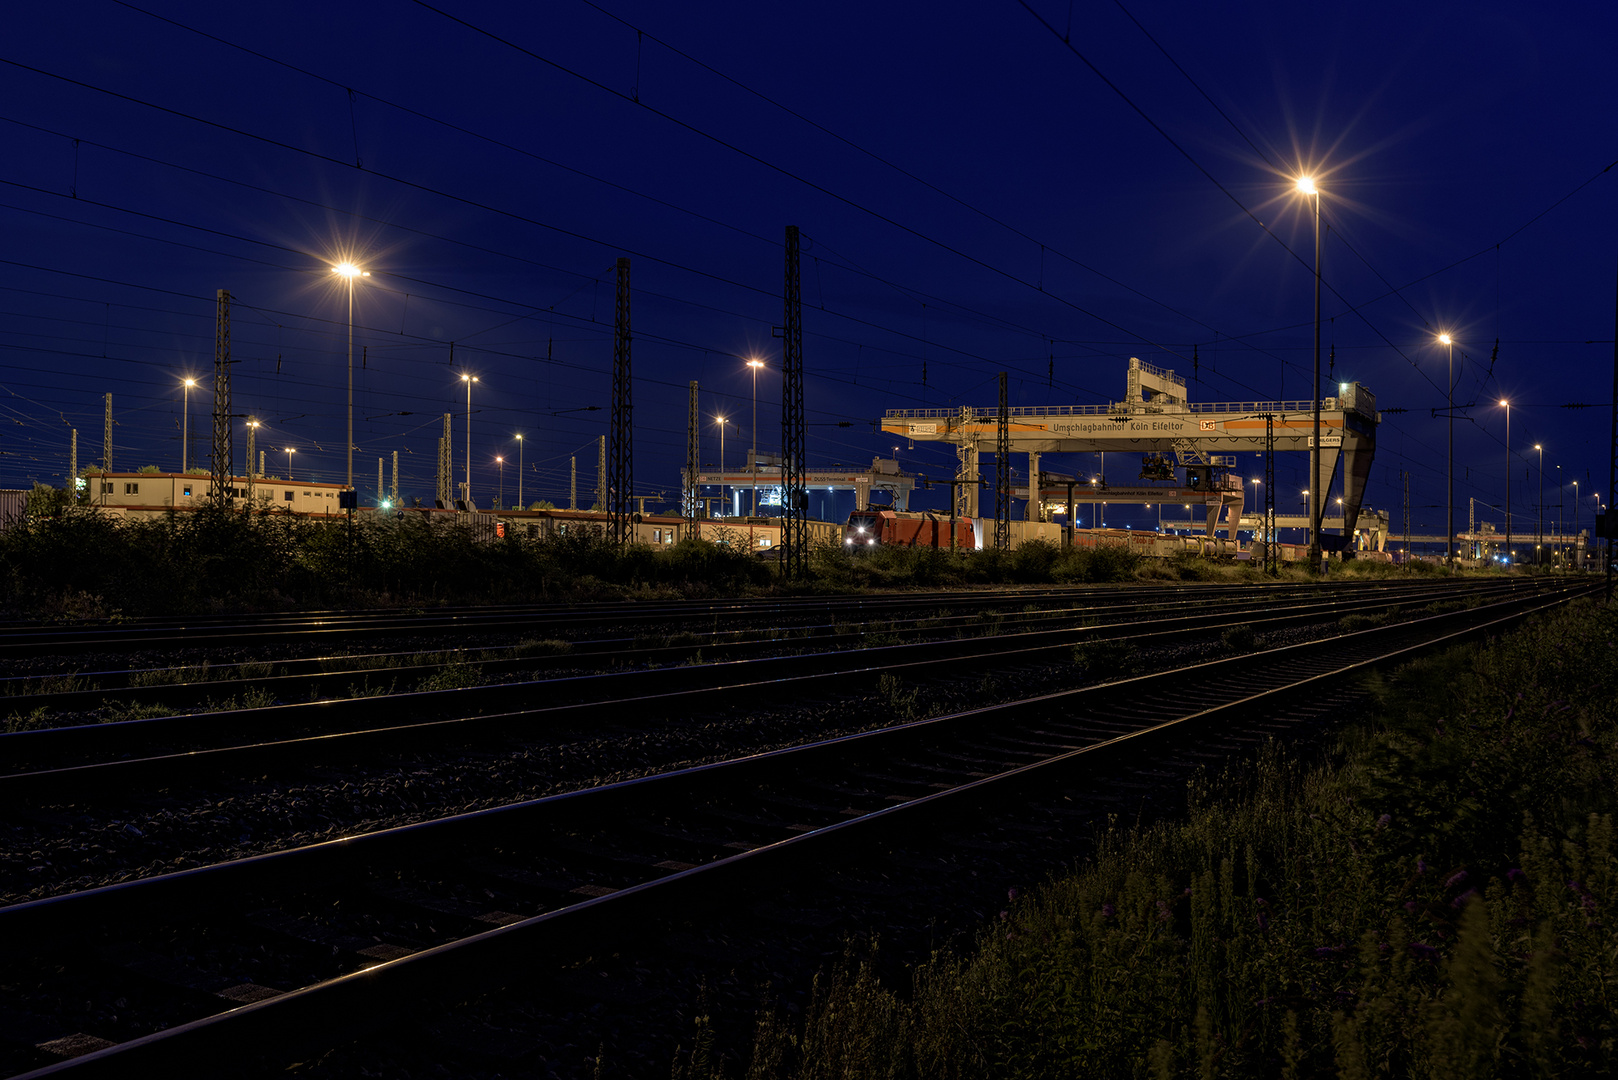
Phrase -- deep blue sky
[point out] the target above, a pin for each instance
(973, 194)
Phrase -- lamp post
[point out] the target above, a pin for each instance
(755, 364)
(1306, 185)
(1574, 527)
(185, 422)
(1507, 406)
(500, 462)
(1539, 532)
(1260, 530)
(468, 380)
(289, 463)
(722, 500)
(520, 504)
(349, 272)
(1561, 537)
(1449, 497)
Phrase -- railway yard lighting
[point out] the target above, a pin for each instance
(348, 272)
(185, 422)
(468, 380)
(1449, 496)
(1306, 186)
(289, 463)
(755, 364)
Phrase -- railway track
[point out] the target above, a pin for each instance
(90, 696)
(104, 761)
(305, 947)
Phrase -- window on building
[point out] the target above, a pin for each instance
(131, 489)
(289, 496)
(106, 487)
(186, 490)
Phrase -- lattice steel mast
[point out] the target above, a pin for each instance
(224, 451)
(794, 528)
(620, 479)
(1002, 474)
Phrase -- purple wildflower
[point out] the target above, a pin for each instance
(1263, 923)
(1163, 914)
(1463, 898)
(1515, 874)
(1011, 894)
(1410, 906)
(1384, 821)
(1422, 951)
(1108, 911)
(1455, 879)
(1004, 915)
(1421, 866)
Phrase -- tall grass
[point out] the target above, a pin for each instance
(1440, 901)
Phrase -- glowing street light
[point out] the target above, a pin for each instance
(755, 364)
(501, 463)
(1539, 535)
(468, 380)
(348, 271)
(1507, 406)
(721, 421)
(520, 504)
(185, 422)
(289, 463)
(1449, 497)
(1306, 186)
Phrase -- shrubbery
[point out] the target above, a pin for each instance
(1441, 903)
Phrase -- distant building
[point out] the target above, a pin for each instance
(142, 494)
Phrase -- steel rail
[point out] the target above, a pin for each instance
(302, 677)
(243, 631)
(273, 737)
(316, 1014)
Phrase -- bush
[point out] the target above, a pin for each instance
(1442, 902)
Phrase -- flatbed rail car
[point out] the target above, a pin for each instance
(897, 528)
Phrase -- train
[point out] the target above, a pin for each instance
(869, 529)
(898, 528)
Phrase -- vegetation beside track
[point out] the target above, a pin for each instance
(1440, 900)
(83, 565)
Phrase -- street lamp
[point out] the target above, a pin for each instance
(289, 463)
(185, 422)
(520, 504)
(1507, 406)
(1449, 498)
(1539, 536)
(468, 380)
(1306, 185)
(348, 271)
(720, 420)
(755, 364)
(501, 463)
(1574, 527)
(1256, 483)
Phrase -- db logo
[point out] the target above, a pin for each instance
(1208, 425)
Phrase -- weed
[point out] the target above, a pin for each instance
(541, 647)
(32, 721)
(903, 701)
(457, 675)
(253, 697)
(1240, 638)
(169, 676)
(1349, 624)
(134, 710)
(1114, 658)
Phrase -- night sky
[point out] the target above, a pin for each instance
(1045, 189)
